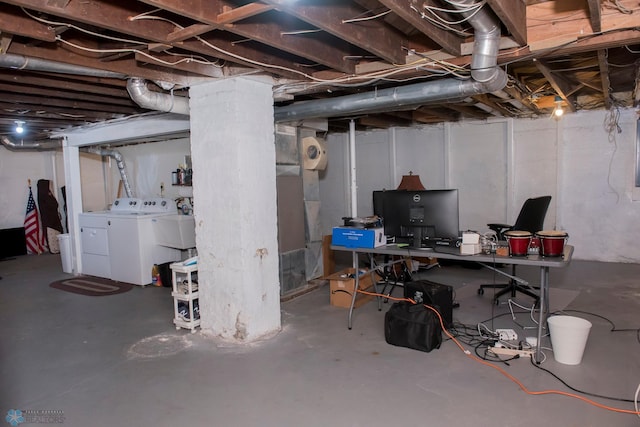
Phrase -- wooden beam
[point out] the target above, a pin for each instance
(58, 3)
(189, 32)
(53, 92)
(562, 87)
(105, 14)
(568, 19)
(181, 63)
(30, 101)
(5, 42)
(320, 50)
(595, 17)
(235, 14)
(63, 115)
(266, 32)
(517, 95)
(442, 114)
(485, 100)
(468, 111)
(513, 14)
(21, 25)
(372, 35)
(446, 39)
(603, 64)
(108, 87)
(383, 121)
(604, 41)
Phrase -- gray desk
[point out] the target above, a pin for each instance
(533, 260)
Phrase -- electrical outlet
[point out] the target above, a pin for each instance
(507, 334)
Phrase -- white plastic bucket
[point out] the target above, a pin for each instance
(569, 336)
(64, 241)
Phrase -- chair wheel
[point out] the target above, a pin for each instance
(480, 291)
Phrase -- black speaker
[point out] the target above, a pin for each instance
(435, 294)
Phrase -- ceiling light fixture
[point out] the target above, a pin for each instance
(19, 127)
(558, 111)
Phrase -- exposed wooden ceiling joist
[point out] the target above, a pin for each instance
(404, 9)
(341, 21)
(513, 14)
(584, 50)
(563, 88)
(595, 17)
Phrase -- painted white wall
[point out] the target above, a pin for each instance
(478, 155)
(498, 164)
(596, 206)
(149, 167)
(16, 167)
(421, 152)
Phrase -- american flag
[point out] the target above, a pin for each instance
(32, 230)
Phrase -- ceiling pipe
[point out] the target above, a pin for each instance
(122, 168)
(14, 145)
(20, 62)
(145, 98)
(56, 144)
(486, 77)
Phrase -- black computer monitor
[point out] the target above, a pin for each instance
(418, 216)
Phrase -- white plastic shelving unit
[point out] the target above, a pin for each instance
(184, 290)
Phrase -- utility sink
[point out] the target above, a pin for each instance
(175, 231)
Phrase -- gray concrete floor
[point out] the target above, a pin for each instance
(118, 360)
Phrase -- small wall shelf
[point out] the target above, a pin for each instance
(186, 309)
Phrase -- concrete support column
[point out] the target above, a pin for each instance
(73, 184)
(234, 191)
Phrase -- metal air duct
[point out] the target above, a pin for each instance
(485, 77)
(119, 162)
(145, 98)
(20, 62)
(13, 145)
(55, 144)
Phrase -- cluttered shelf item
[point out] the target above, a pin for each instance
(486, 260)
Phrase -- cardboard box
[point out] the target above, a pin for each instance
(352, 237)
(341, 288)
(470, 248)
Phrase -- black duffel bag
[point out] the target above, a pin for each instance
(413, 326)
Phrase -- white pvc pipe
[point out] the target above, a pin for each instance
(352, 164)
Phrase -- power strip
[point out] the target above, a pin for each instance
(507, 334)
(503, 351)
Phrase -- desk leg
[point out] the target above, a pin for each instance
(356, 286)
(544, 307)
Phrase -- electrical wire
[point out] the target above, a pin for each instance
(369, 78)
(586, 393)
(613, 325)
(138, 51)
(521, 385)
(113, 38)
(471, 10)
(511, 377)
(366, 18)
(617, 5)
(612, 126)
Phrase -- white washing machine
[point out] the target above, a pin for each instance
(120, 244)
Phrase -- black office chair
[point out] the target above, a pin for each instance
(531, 219)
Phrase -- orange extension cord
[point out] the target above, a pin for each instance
(499, 369)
